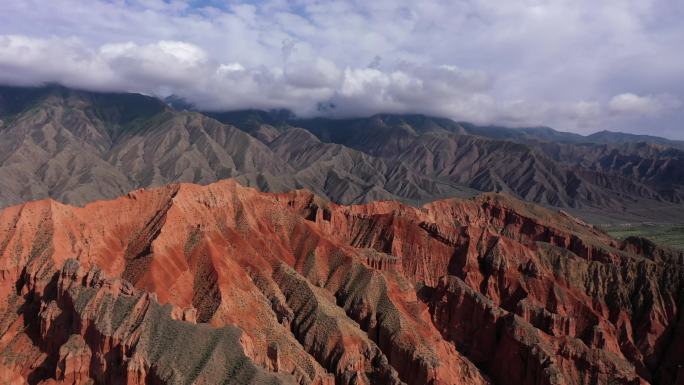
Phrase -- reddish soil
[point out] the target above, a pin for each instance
(189, 284)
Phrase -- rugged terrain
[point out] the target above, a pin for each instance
(77, 146)
(224, 284)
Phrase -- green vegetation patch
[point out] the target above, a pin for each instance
(666, 235)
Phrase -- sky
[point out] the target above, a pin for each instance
(575, 65)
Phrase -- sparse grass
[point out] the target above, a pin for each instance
(192, 241)
(666, 235)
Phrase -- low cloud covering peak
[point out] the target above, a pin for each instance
(576, 65)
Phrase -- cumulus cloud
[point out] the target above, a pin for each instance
(576, 65)
(629, 103)
(187, 70)
(26, 61)
(318, 73)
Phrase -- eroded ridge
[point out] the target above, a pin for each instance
(214, 284)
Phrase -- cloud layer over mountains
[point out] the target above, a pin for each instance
(576, 65)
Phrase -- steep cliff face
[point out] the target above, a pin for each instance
(190, 284)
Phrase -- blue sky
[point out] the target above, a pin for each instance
(575, 65)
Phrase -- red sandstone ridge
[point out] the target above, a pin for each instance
(190, 284)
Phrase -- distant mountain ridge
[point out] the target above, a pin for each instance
(648, 169)
(241, 118)
(78, 146)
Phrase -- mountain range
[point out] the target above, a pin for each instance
(222, 284)
(78, 146)
(143, 242)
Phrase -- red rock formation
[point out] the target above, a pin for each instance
(73, 366)
(223, 284)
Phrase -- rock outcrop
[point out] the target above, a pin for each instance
(190, 284)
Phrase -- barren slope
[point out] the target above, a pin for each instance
(223, 284)
(77, 146)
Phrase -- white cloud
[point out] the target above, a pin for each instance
(555, 62)
(315, 73)
(224, 69)
(27, 61)
(629, 103)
